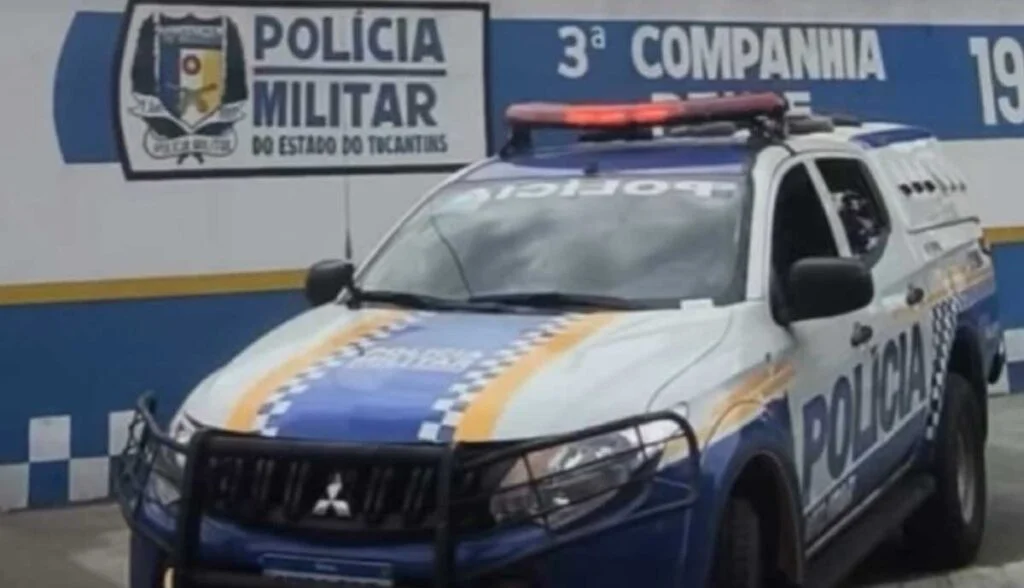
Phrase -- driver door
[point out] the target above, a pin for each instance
(832, 386)
(891, 403)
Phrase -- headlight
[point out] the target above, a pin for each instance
(169, 465)
(570, 481)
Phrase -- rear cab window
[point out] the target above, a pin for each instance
(859, 204)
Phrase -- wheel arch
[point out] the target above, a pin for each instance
(764, 481)
(755, 460)
(965, 359)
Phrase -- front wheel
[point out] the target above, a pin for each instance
(739, 561)
(147, 565)
(946, 532)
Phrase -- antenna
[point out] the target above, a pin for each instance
(348, 219)
(347, 199)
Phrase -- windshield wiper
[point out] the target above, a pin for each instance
(555, 299)
(423, 301)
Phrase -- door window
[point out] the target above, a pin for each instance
(856, 199)
(800, 227)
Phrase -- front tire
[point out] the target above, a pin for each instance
(739, 556)
(146, 563)
(946, 532)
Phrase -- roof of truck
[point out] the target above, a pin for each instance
(710, 156)
(723, 154)
(878, 134)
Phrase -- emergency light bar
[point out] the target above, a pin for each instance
(764, 114)
(536, 115)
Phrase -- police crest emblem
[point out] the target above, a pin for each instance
(188, 82)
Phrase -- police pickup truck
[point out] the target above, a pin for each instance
(687, 343)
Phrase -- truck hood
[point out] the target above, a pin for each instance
(390, 376)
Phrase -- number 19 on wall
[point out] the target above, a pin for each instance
(1000, 79)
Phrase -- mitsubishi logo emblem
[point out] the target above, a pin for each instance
(332, 501)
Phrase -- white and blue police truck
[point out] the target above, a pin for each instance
(666, 344)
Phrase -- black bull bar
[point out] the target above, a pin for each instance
(434, 493)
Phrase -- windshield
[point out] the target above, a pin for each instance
(654, 238)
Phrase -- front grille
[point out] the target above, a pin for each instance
(383, 491)
(358, 496)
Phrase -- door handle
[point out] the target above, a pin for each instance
(861, 334)
(915, 294)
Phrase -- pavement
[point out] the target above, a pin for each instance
(1001, 561)
(86, 546)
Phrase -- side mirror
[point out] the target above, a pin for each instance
(820, 287)
(326, 279)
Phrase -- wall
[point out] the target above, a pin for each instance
(127, 270)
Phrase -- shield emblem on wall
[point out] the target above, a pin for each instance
(187, 78)
(191, 68)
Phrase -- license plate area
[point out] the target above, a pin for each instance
(330, 571)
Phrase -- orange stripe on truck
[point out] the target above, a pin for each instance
(480, 418)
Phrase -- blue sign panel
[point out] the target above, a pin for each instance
(960, 82)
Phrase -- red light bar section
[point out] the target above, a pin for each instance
(649, 114)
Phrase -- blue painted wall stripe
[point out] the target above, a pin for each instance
(88, 359)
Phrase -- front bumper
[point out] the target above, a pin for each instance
(226, 518)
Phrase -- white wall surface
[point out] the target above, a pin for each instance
(61, 222)
(80, 222)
